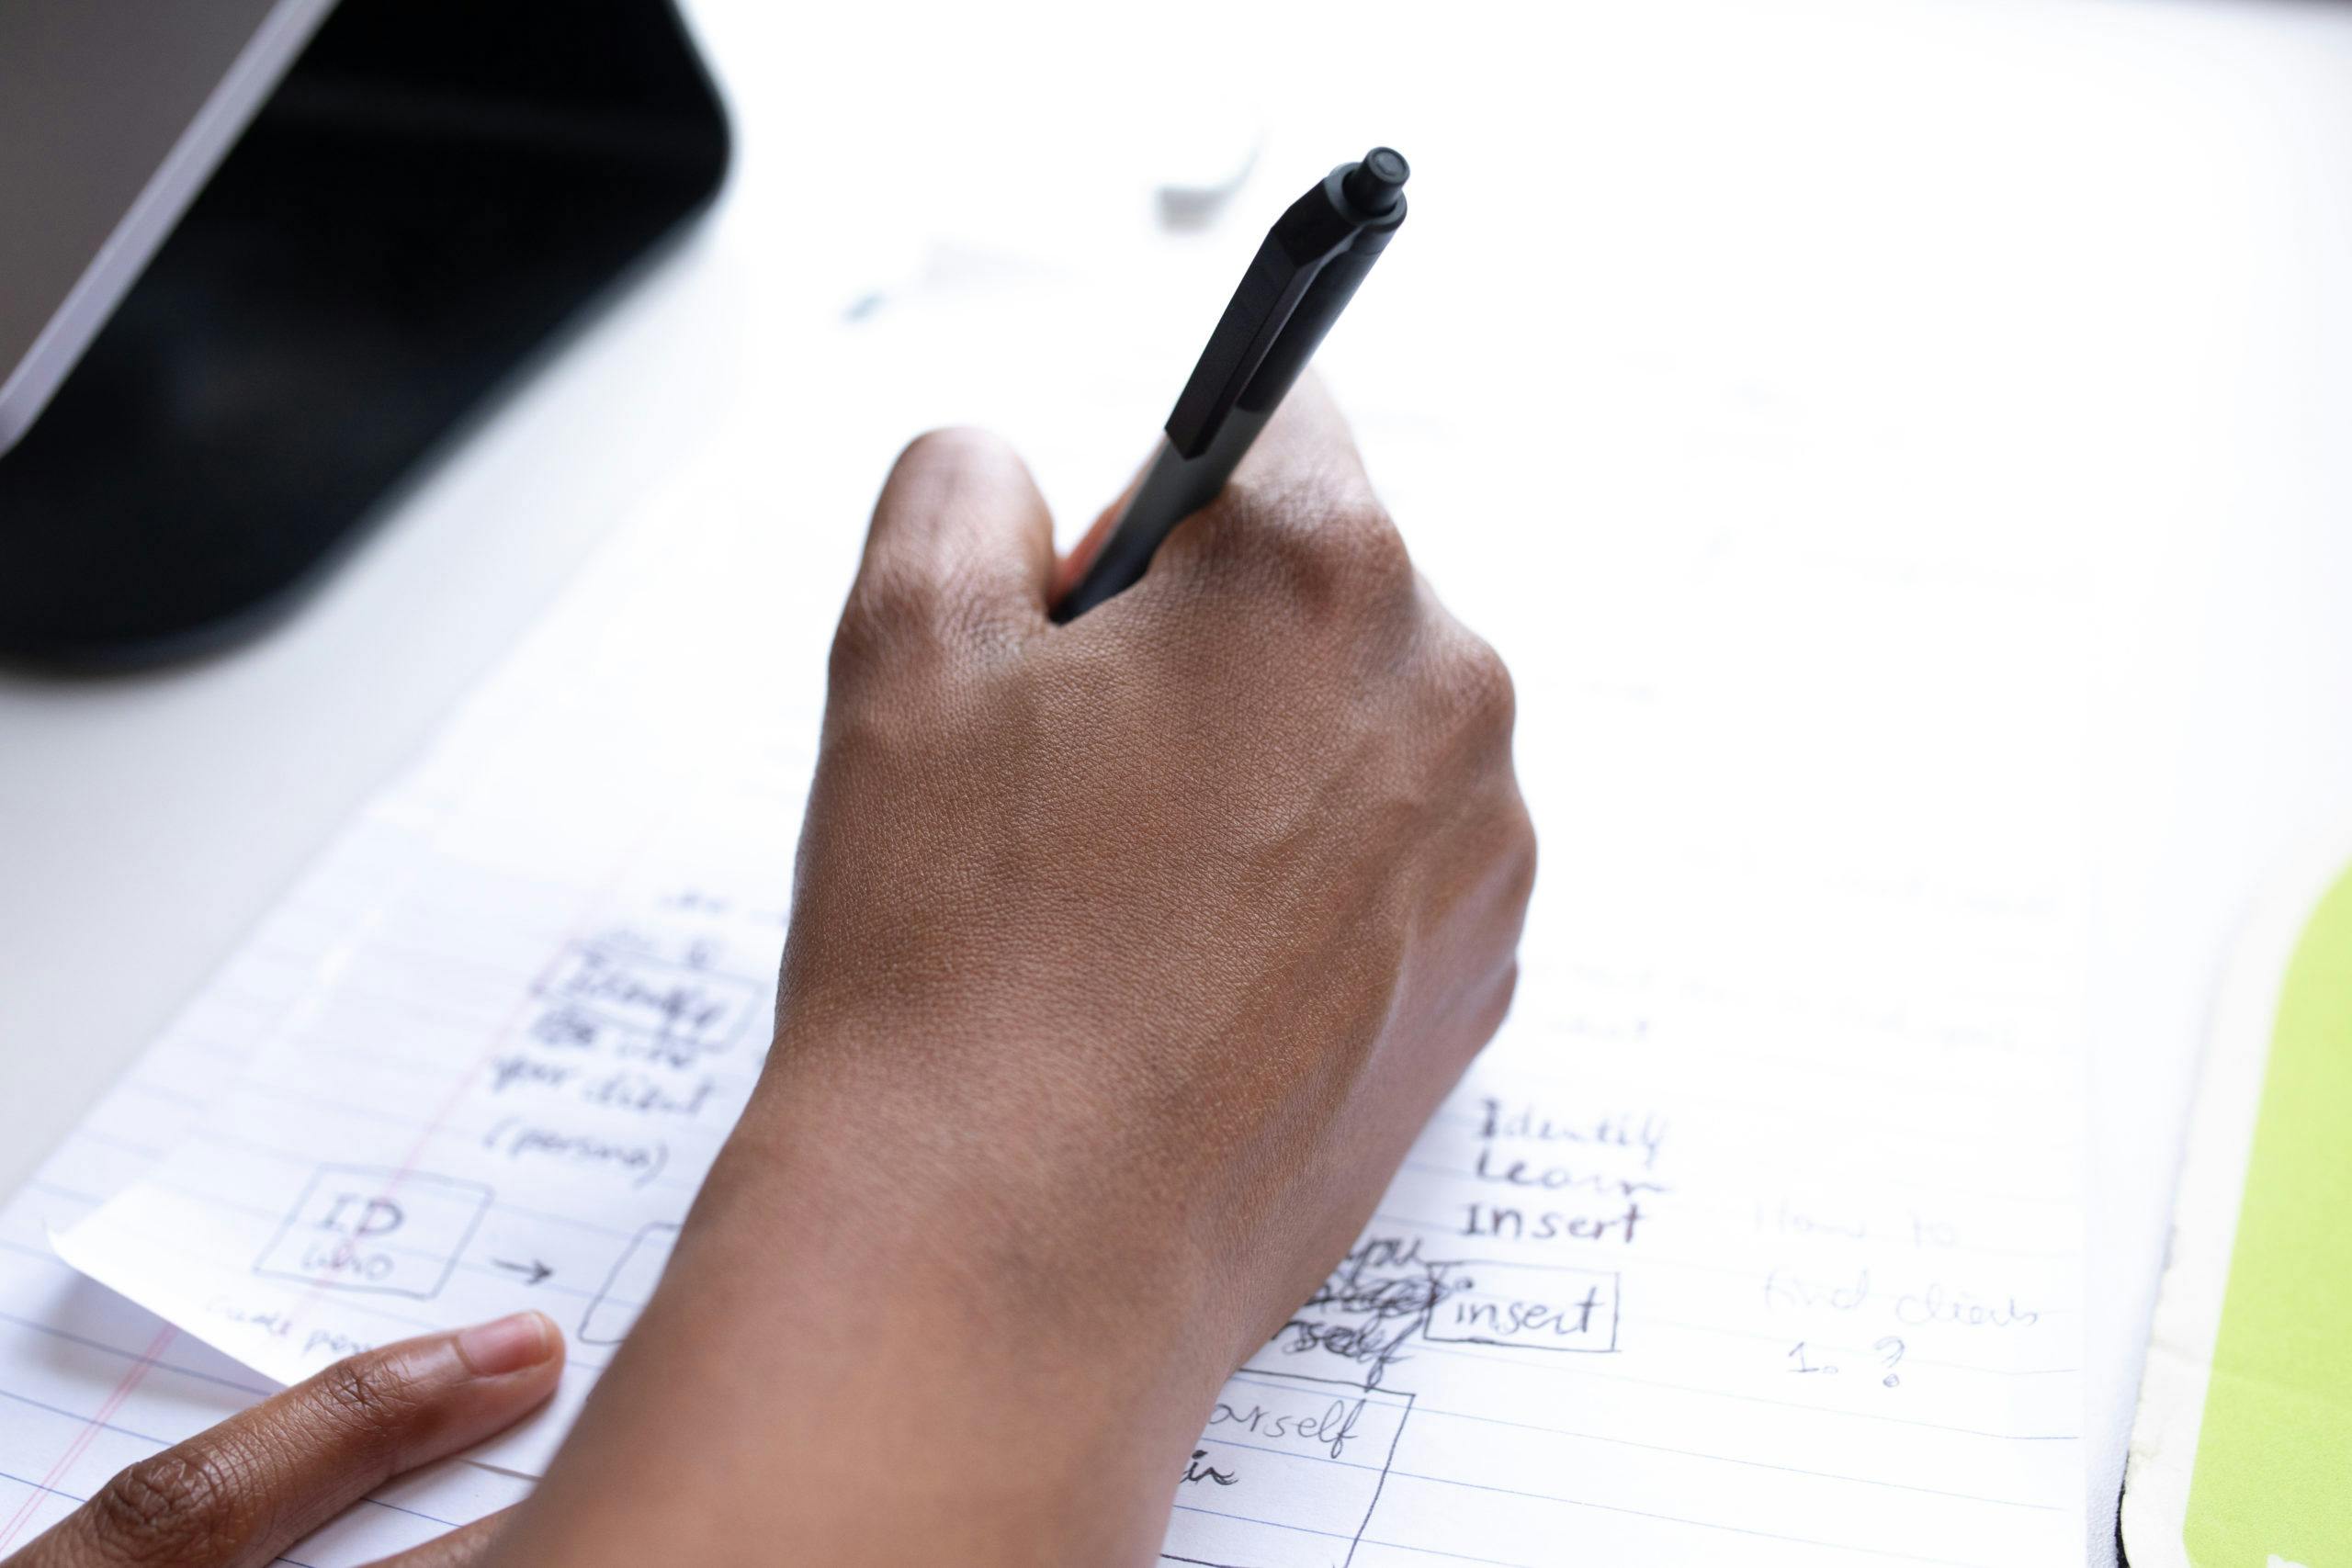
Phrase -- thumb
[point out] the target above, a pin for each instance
(960, 537)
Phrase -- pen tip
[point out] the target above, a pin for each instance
(1373, 185)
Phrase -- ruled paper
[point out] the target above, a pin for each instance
(90, 1382)
(1755, 1238)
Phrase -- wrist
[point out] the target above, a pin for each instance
(883, 1355)
(979, 1170)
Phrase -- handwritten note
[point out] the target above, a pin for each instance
(1755, 1238)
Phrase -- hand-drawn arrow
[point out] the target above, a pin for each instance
(535, 1268)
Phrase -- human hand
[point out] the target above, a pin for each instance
(1211, 893)
(1127, 959)
(237, 1494)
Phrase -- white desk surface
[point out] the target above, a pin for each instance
(2093, 249)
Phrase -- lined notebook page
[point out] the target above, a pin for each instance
(90, 1381)
(1755, 1238)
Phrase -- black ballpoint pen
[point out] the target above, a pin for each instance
(1303, 276)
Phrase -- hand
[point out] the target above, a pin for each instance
(241, 1492)
(1213, 892)
(1127, 957)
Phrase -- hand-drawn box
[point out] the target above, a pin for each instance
(629, 1286)
(1286, 1473)
(1525, 1306)
(396, 1233)
(681, 1009)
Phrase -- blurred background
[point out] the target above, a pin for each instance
(2051, 289)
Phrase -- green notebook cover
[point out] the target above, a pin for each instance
(2241, 1451)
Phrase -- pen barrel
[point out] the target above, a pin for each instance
(1302, 278)
(1321, 306)
(1174, 487)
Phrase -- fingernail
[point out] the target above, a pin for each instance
(507, 1344)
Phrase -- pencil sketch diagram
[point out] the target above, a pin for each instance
(1387, 1296)
(369, 1228)
(615, 995)
(613, 1311)
(1286, 1473)
(1290, 1465)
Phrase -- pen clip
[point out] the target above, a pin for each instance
(1314, 231)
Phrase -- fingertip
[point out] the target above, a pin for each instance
(497, 1373)
(511, 1344)
(960, 465)
(961, 518)
(955, 446)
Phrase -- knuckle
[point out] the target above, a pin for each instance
(1327, 550)
(949, 444)
(1487, 696)
(889, 601)
(1358, 547)
(857, 648)
(1505, 988)
(369, 1399)
(886, 611)
(1374, 547)
(182, 1506)
(1522, 855)
(873, 739)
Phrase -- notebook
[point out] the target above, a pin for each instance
(1755, 1237)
